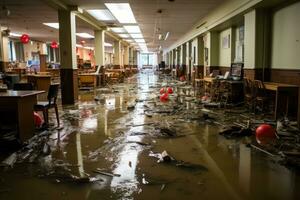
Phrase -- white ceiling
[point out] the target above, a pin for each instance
(177, 17)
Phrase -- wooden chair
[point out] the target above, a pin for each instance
(260, 96)
(215, 90)
(199, 86)
(23, 86)
(225, 92)
(44, 106)
(248, 93)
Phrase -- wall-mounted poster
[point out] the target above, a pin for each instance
(226, 42)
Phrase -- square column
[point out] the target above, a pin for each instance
(99, 47)
(126, 56)
(117, 53)
(68, 62)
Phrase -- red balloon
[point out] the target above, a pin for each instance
(162, 90)
(38, 121)
(54, 45)
(182, 78)
(170, 90)
(164, 97)
(265, 132)
(24, 38)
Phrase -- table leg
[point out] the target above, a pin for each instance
(276, 105)
(25, 117)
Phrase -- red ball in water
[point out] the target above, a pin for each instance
(38, 121)
(265, 131)
(164, 97)
(170, 90)
(162, 90)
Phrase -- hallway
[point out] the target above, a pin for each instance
(120, 130)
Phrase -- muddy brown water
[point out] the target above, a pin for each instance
(102, 134)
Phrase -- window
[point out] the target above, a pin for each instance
(16, 51)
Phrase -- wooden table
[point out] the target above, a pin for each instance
(19, 106)
(89, 79)
(40, 82)
(236, 88)
(284, 95)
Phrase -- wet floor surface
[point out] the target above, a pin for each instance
(118, 129)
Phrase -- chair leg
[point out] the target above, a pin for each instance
(45, 115)
(57, 116)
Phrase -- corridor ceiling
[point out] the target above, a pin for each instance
(154, 17)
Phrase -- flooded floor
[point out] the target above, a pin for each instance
(117, 130)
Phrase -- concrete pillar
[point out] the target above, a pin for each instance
(117, 53)
(126, 56)
(183, 55)
(99, 47)
(68, 62)
(257, 43)
(135, 58)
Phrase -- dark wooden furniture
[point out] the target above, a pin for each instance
(40, 82)
(23, 86)
(18, 105)
(248, 93)
(286, 97)
(44, 106)
(260, 95)
(235, 87)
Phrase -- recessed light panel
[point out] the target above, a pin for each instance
(102, 15)
(122, 12)
(84, 35)
(136, 35)
(52, 25)
(132, 29)
(124, 35)
(118, 30)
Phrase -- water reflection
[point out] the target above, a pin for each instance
(128, 157)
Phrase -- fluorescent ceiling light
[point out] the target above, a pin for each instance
(133, 29)
(15, 35)
(84, 35)
(108, 44)
(102, 15)
(129, 40)
(167, 35)
(136, 35)
(52, 25)
(121, 11)
(139, 40)
(90, 48)
(124, 35)
(118, 30)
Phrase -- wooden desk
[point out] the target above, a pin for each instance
(19, 105)
(284, 94)
(40, 82)
(236, 88)
(89, 79)
(208, 79)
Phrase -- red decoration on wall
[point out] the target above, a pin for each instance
(54, 45)
(24, 38)
(82, 42)
(90, 53)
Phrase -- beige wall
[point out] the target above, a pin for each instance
(225, 53)
(5, 41)
(223, 13)
(250, 31)
(34, 46)
(286, 38)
